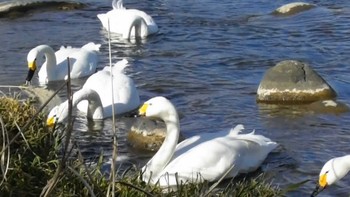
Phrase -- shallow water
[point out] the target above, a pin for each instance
(208, 59)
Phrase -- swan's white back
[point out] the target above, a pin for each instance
(126, 97)
(212, 155)
(95, 98)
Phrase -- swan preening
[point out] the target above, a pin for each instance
(128, 22)
(332, 171)
(203, 157)
(95, 97)
(83, 62)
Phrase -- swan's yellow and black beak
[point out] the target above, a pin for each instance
(322, 184)
(50, 122)
(317, 190)
(143, 109)
(31, 71)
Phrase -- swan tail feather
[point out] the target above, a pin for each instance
(117, 4)
(65, 47)
(120, 66)
(258, 139)
(251, 137)
(236, 130)
(92, 46)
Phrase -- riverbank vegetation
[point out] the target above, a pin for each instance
(37, 161)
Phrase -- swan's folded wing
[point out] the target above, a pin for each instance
(92, 47)
(211, 159)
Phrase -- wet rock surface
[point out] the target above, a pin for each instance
(293, 81)
(293, 8)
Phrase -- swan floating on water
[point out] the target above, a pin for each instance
(128, 22)
(332, 171)
(95, 97)
(83, 62)
(203, 157)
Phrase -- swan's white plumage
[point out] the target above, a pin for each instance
(126, 96)
(203, 157)
(97, 91)
(83, 61)
(124, 21)
(332, 171)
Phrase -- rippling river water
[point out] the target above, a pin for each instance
(208, 59)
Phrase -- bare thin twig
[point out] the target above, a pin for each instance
(114, 155)
(53, 181)
(25, 139)
(12, 86)
(4, 167)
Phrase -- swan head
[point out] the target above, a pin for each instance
(158, 107)
(58, 114)
(332, 171)
(32, 65)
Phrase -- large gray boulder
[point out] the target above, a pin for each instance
(292, 81)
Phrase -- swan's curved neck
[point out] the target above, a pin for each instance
(49, 67)
(49, 55)
(346, 162)
(140, 27)
(95, 108)
(161, 159)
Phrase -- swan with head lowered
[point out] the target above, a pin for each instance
(83, 62)
(128, 23)
(332, 171)
(207, 157)
(95, 97)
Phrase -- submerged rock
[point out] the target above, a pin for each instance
(293, 8)
(293, 82)
(147, 134)
(328, 106)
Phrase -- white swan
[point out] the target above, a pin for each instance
(332, 171)
(203, 157)
(95, 98)
(128, 22)
(83, 62)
